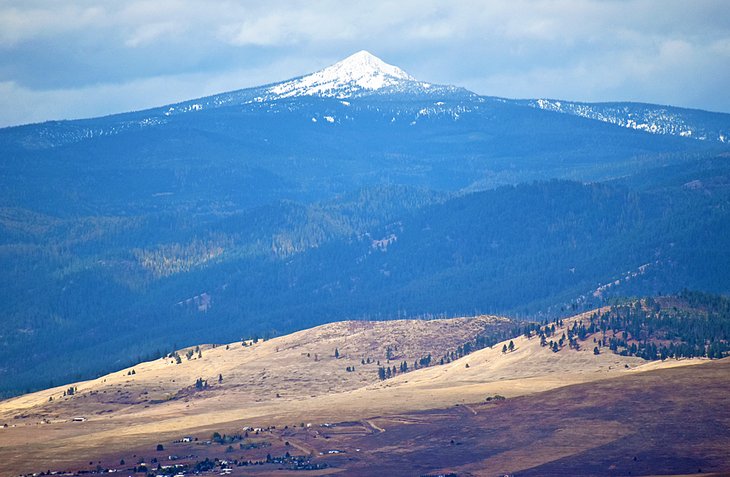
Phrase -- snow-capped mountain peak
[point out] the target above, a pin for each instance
(359, 72)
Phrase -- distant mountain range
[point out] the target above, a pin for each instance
(357, 191)
(364, 75)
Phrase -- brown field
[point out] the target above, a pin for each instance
(662, 422)
(127, 415)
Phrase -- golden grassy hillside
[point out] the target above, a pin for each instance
(291, 379)
(296, 366)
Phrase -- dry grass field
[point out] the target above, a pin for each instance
(297, 379)
(673, 421)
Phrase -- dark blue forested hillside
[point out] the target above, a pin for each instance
(240, 156)
(518, 249)
(268, 210)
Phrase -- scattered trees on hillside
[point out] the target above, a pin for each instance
(642, 328)
(385, 372)
(697, 325)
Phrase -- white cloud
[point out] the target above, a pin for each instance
(18, 24)
(152, 32)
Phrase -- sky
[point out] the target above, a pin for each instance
(66, 59)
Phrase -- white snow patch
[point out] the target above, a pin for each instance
(361, 71)
(383, 243)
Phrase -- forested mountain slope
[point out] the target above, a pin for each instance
(355, 192)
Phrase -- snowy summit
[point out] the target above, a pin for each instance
(356, 73)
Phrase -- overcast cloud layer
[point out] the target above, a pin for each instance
(82, 58)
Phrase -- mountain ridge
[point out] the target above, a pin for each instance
(651, 118)
(363, 75)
